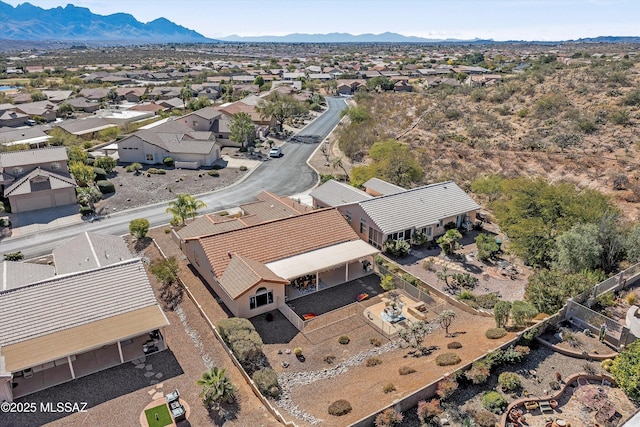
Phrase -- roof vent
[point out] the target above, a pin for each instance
(229, 254)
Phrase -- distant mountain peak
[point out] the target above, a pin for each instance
(386, 37)
(27, 22)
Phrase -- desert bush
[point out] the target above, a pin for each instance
(447, 359)
(631, 298)
(388, 388)
(484, 419)
(406, 370)
(339, 408)
(428, 411)
(265, 380)
(479, 373)
(133, 167)
(427, 264)
(411, 279)
(487, 301)
(373, 361)
(85, 210)
(620, 117)
(388, 418)
(446, 387)
(242, 168)
(494, 402)
(606, 364)
(155, 171)
(632, 98)
(106, 187)
(495, 333)
(297, 351)
(509, 381)
(344, 340)
(375, 342)
(214, 174)
(522, 113)
(329, 359)
(168, 161)
(397, 248)
(554, 385)
(453, 345)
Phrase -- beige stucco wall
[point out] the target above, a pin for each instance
(134, 149)
(239, 307)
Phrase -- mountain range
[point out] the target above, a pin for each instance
(29, 23)
(343, 38)
(71, 23)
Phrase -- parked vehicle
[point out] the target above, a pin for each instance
(275, 152)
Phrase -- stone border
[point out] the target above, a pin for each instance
(575, 354)
(573, 378)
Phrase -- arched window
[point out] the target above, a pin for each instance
(262, 297)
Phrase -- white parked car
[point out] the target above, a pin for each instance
(275, 152)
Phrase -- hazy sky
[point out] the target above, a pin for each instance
(463, 19)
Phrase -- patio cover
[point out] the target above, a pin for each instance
(82, 338)
(321, 259)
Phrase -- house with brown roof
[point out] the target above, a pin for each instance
(252, 269)
(268, 207)
(190, 149)
(36, 179)
(45, 109)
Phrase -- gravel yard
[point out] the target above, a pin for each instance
(144, 189)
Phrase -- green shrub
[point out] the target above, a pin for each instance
(344, 340)
(242, 168)
(213, 173)
(85, 210)
(375, 342)
(494, 402)
(339, 408)
(101, 174)
(106, 187)
(168, 161)
(265, 380)
(107, 163)
(495, 333)
(466, 296)
(388, 388)
(297, 351)
(406, 370)
(454, 345)
(243, 340)
(509, 381)
(156, 171)
(411, 279)
(133, 167)
(447, 359)
(373, 361)
(396, 248)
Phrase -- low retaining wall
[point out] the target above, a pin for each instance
(573, 378)
(575, 354)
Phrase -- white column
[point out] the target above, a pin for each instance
(317, 280)
(73, 374)
(120, 351)
(6, 388)
(346, 271)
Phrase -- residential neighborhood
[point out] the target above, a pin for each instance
(320, 234)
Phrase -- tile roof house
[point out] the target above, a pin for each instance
(390, 212)
(189, 148)
(36, 179)
(268, 207)
(250, 268)
(56, 329)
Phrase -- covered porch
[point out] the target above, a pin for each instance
(46, 375)
(324, 268)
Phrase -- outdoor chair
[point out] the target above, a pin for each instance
(545, 406)
(173, 396)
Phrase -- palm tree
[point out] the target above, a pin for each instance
(216, 388)
(186, 94)
(185, 206)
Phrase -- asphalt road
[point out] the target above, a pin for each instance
(284, 176)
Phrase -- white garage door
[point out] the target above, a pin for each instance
(33, 203)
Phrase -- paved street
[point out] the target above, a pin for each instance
(285, 176)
